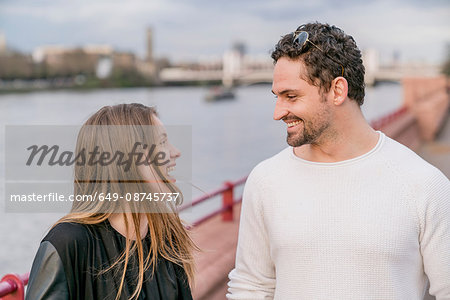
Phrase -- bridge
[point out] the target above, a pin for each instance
(263, 74)
(395, 73)
(171, 76)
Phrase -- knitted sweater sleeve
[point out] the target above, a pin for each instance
(434, 218)
(254, 273)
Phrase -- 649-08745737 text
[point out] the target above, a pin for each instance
(57, 197)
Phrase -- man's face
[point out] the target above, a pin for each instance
(300, 105)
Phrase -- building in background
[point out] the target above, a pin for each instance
(147, 67)
(371, 61)
(97, 64)
(233, 63)
(2, 42)
(60, 61)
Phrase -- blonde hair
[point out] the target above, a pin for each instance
(168, 234)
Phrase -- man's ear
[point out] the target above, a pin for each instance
(339, 87)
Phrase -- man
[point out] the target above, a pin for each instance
(345, 212)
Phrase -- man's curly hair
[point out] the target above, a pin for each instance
(321, 70)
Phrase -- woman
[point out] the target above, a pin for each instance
(122, 242)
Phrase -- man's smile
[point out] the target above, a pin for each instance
(293, 123)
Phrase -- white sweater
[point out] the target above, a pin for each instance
(371, 227)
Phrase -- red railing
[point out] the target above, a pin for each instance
(12, 285)
(227, 201)
(383, 121)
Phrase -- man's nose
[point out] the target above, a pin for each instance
(280, 111)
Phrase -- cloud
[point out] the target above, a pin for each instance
(417, 32)
(189, 29)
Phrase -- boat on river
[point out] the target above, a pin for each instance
(218, 93)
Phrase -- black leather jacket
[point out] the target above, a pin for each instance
(71, 256)
(47, 278)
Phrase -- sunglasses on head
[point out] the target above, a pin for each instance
(301, 37)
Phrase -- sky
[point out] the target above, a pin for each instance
(187, 30)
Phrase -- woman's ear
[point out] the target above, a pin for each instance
(339, 87)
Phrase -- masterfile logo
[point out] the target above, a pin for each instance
(41, 162)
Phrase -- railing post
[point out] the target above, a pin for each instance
(17, 286)
(227, 201)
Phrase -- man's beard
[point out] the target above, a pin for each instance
(310, 131)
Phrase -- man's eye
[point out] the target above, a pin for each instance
(291, 96)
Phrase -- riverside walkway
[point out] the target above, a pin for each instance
(437, 152)
(217, 240)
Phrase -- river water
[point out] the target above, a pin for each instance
(228, 139)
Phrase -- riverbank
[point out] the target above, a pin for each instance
(88, 84)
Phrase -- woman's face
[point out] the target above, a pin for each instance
(165, 146)
(170, 154)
